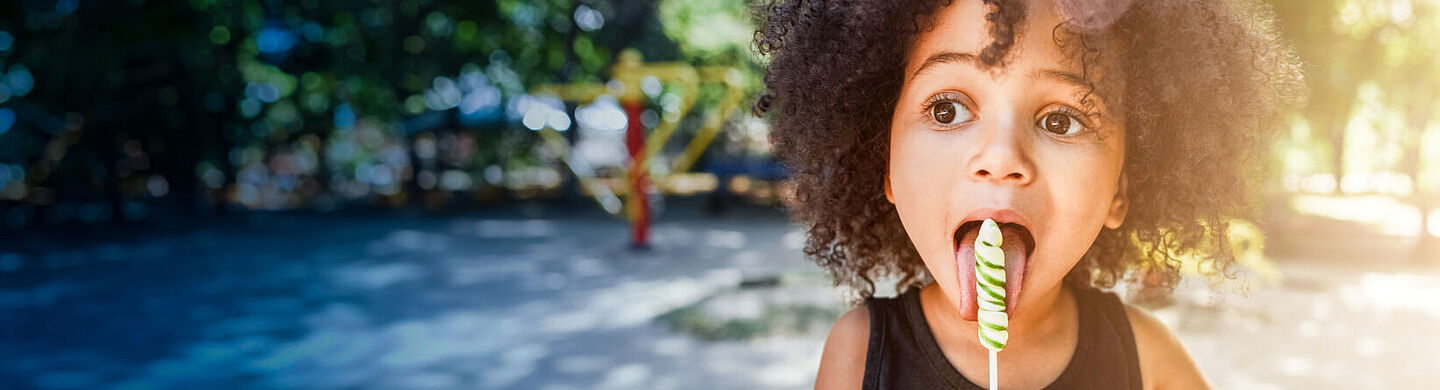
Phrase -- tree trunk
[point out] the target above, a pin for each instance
(1427, 247)
(1336, 131)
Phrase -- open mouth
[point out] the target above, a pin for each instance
(1018, 245)
(1024, 233)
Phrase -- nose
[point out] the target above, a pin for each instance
(1000, 156)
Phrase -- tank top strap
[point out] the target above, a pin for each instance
(1107, 356)
(902, 351)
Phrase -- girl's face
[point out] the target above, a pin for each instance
(1012, 143)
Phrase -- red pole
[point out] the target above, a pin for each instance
(639, 203)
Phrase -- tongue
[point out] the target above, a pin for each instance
(1014, 247)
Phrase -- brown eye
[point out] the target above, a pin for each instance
(943, 112)
(949, 113)
(1060, 124)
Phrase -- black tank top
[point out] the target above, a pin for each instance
(903, 353)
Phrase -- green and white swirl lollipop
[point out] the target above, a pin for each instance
(990, 293)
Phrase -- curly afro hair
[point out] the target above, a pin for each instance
(1204, 86)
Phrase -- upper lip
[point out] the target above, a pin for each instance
(999, 215)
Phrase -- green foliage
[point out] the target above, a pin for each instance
(1374, 78)
(708, 30)
(247, 83)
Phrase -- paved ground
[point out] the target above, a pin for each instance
(542, 300)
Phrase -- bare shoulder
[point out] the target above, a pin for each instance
(1164, 362)
(842, 365)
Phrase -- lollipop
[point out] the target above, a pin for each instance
(990, 293)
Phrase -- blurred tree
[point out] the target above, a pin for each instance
(1388, 46)
(173, 99)
(105, 97)
(1411, 74)
(1333, 80)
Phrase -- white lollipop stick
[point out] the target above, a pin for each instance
(994, 372)
(990, 294)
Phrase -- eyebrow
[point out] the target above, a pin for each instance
(946, 57)
(952, 57)
(1064, 77)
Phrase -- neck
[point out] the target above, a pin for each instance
(1044, 316)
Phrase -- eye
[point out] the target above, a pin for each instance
(950, 113)
(1061, 123)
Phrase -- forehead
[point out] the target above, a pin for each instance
(961, 28)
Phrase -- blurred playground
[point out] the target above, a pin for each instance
(572, 194)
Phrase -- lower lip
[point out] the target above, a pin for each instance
(1017, 265)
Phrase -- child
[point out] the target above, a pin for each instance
(1085, 128)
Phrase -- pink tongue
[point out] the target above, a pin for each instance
(1015, 259)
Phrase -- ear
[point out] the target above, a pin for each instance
(1119, 205)
(889, 195)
